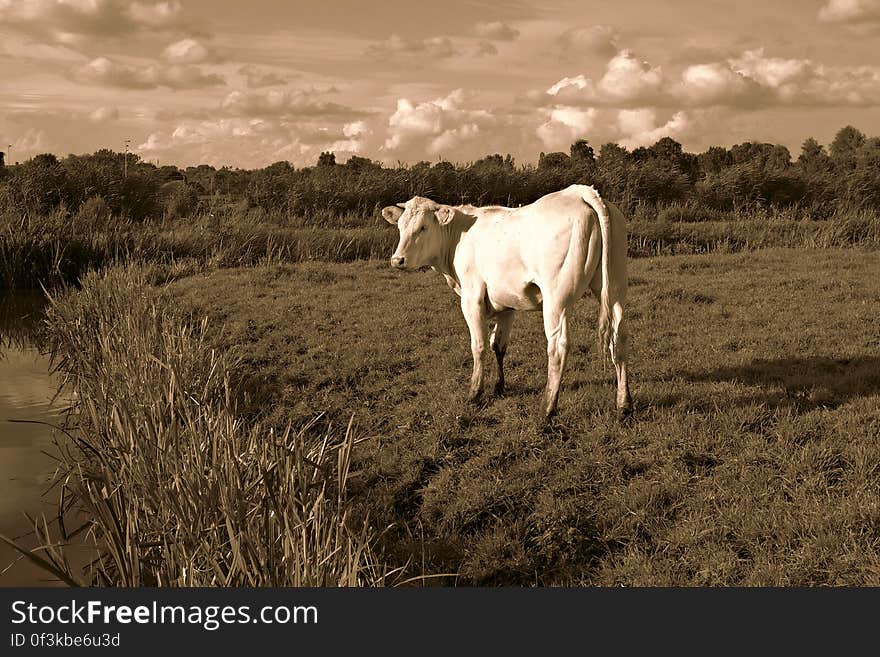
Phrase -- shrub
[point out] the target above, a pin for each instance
(181, 200)
(94, 213)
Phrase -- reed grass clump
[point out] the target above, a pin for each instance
(175, 488)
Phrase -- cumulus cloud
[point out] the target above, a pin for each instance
(629, 79)
(719, 84)
(865, 13)
(286, 104)
(639, 127)
(565, 124)
(107, 72)
(436, 126)
(188, 51)
(74, 21)
(803, 82)
(496, 31)
(752, 80)
(355, 129)
(256, 77)
(397, 46)
(596, 40)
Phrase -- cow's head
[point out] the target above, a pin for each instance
(420, 222)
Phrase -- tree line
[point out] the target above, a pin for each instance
(645, 179)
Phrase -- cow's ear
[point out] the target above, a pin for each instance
(392, 213)
(445, 214)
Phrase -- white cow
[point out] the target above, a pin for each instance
(542, 256)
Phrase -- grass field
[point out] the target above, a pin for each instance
(753, 456)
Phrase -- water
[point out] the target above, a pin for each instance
(26, 393)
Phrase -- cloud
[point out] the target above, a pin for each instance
(496, 31)
(851, 12)
(30, 143)
(104, 114)
(436, 126)
(256, 77)
(719, 84)
(639, 127)
(485, 48)
(596, 40)
(803, 82)
(76, 21)
(565, 124)
(255, 142)
(397, 46)
(574, 85)
(751, 80)
(287, 105)
(355, 129)
(629, 79)
(109, 73)
(188, 51)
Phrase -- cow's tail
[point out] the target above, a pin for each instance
(606, 332)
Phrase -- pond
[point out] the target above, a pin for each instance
(26, 393)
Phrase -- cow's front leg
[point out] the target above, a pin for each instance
(475, 315)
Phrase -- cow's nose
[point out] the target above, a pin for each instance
(398, 261)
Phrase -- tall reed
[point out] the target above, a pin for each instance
(176, 490)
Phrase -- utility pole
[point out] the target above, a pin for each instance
(125, 159)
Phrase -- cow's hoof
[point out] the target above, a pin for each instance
(474, 397)
(548, 417)
(624, 413)
(499, 389)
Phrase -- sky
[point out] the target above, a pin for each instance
(249, 83)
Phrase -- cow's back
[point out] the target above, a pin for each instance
(511, 249)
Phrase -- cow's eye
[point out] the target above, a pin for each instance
(423, 228)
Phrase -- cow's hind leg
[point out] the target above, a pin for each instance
(619, 347)
(475, 315)
(556, 330)
(499, 339)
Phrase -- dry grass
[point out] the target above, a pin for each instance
(753, 456)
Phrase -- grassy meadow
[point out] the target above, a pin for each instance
(270, 405)
(752, 457)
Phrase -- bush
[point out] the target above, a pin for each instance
(181, 200)
(94, 213)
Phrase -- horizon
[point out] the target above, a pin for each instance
(457, 163)
(193, 82)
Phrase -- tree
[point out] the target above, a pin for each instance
(612, 152)
(356, 163)
(582, 153)
(813, 158)
(846, 142)
(666, 148)
(327, 159)
(714, 160)
(553, 160)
